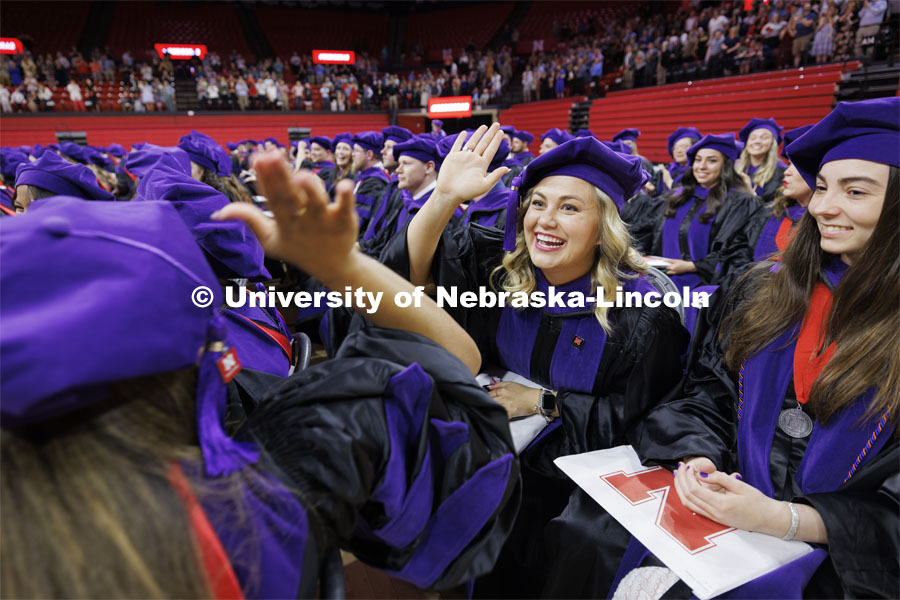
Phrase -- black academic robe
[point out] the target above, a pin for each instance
(397, 454)
(701, 419)
(768, 190)
(605, 383)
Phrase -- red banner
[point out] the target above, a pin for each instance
(10, 46)
(334, 57)
(180, 51)
(454, 106)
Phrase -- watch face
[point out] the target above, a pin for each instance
(548, 402)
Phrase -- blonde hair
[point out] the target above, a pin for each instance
(615, 260)
(766, 170)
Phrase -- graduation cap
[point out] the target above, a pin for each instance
(345, 137)
(232, 248)
(116, 150)
(523, 136)
(369, 140)
(396, 134)
(206, 152)
(322, 141)
(134, 325)
(723, 142)
(274, 142)
(619, 176)
(768, 124)
(140, 161)
(584, 133)
(38, 150)
(627, 135)
(421, 147)
(557, 135)
(438, 122)
(620, 147)
(73, 151)
(681, 133)
(59, 176)
(867, 130)
(232, 146)
(10, 159)
(95, 157)
(508, 130)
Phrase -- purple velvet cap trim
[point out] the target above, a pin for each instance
(724, 143)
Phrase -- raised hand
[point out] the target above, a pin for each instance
(463, 173)
(307, 231)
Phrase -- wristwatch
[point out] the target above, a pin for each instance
(546, 405)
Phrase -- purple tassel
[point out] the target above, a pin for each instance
(221, 455)
(512, 213)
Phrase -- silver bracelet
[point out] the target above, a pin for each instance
(795, 522)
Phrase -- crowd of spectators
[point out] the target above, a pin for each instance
(648, 48)
(652, 47)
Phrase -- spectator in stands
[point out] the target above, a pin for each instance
(167, 93)
(5, 105)
(718, 23)
(75, 96)
(91, 101)
(109, 68)
(785, 46)
(628, 68)
(823, 43)
(845, 30)
(243, 94)
(870, 16)
(772, 29)
(806, 26)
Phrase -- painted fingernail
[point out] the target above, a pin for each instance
(703, 475)
(687, 468)
(681, 463)
(674, 473)
(738, 477)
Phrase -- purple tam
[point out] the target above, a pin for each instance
(10, 159)
(346, 138)
(396, 134)
(95, 157)
(231, 146)
(322, 141)
(619, 176)
(792, 134)
(867, 130)
(38, 151)
(232, 249)
(369, 140)
(116, 150)
(768, 124)
(557, 135)
(421, 147)
(206, 152)
(73, 151)
(508, 130)
(274, 142)
(584, 133)
(125, 273)
(724, 143)
(141, 160)
(523, 136)
(681, 133)
(57, 175)
(446, 143)
(620, 147)
(438, 122)
(627, 135)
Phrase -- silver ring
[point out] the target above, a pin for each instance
(466, 149)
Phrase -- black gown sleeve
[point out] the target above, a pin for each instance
(641, 215)
(771, 188)
(731, 246)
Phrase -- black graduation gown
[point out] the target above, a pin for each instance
(699, 419)
(770, 188)
(639, 362)
(397, 454)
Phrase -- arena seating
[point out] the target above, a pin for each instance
(136, 26)
(290, 29)
(57, 30)
(538, 23)
(454, 28)
(538, 117)
(794, 97)
(166, 129)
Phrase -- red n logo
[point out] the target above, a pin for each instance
(692, 531)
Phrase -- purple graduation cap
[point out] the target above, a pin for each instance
(232, 146)
(116, 150)
(369, 140)
(508, 130)
(206, 152)
(345, 137)
(54, 174)
(723, 142)
(141, 160)
(38, 151)
(396, 134)
(557, 135)
(73, 151)
(627, 135)
(867, 130)
(584, 133)
(274, 142)
(437, 122)
(523, 136)
(10, 159)
(134, 325)
(792, 134)
(620, 147)
(95, 157)
(681, 133)
(620, 176)
(232, 249)
(755, 124)
(322, 141)
(421, 147)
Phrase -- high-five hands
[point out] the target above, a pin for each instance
(463, 174)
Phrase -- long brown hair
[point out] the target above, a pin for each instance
(88, 509)
(864, 321)
(728, 180)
